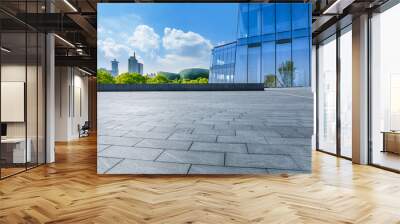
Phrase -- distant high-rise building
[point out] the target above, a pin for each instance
(114, 67)
(134, 66)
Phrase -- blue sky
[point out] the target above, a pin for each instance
(165, 36)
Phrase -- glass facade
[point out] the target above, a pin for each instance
(327, 98)
(346, 92)
(22, 78)
(223, 63)
(334, 101)
(273, 46)
(385, 89)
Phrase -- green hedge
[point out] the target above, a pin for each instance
(104, 77)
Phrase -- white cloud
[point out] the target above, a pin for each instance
(185, 43)
(175, 63)
(111, 48)
(145, 39)
(182, 50)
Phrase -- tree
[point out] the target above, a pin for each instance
(169, 75)
(270, 81)
(130, 78)
(104, 77)
(286, 71)
(157, 79)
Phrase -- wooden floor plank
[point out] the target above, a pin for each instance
(70, 191)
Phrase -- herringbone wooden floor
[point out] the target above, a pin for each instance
(70, 191)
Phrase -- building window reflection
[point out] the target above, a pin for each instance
(272, 47)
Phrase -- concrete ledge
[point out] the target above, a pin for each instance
(181, 87)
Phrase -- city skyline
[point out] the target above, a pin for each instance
(160, 36)
(115, 67)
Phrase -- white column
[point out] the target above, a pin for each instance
(360, 90)
(50, 99)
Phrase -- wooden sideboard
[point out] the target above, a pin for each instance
(391, 141)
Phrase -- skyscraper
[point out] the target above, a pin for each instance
(114, 67)
(134, 66)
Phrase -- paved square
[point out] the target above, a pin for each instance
(243, 132)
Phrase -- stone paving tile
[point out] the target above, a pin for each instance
(195, 126)
(171, 130)
(241, 139)
(147, 134)
(294, 132)
(104, 164)
(123, 141)
(193, 157)
(283, 171)
(202, 122)
(204, 169)
(234, 127)
(304, 162)
(289, 141)
(102, 147)
(138, 128)
(164, 144)
(112, 132)
(279, 149)
(273, 127)
(131, 152)
(218, 147)
(128, 166)
(193, 137)
(226, 132)
(251, 133)
(160, 124)
(260, 161)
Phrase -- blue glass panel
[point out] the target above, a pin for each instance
(301, 61)
(242, 41)
(253, 40)
(300, 33)
(268, 37)
(283, 21)
(300, 16)
(268, 64)
(254, 65)
(241, 64)
(254, 19)
(283, 35)
(268, 18)
(284, 69)
(243, 23)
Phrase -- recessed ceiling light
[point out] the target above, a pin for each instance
(64, 40)
(86, 72)
(5, 50)
(70, 5)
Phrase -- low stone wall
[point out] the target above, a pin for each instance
(181, 87)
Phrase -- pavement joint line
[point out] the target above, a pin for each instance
(163, 150)
(121, 159)
(190, 167)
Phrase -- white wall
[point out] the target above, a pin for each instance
(71, 87)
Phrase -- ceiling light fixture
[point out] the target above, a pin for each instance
(5, 50)
(337, 7)
(70, 5)
(331, 7)
(86, 72)
(64, 40)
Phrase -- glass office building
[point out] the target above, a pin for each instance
(273, 47)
